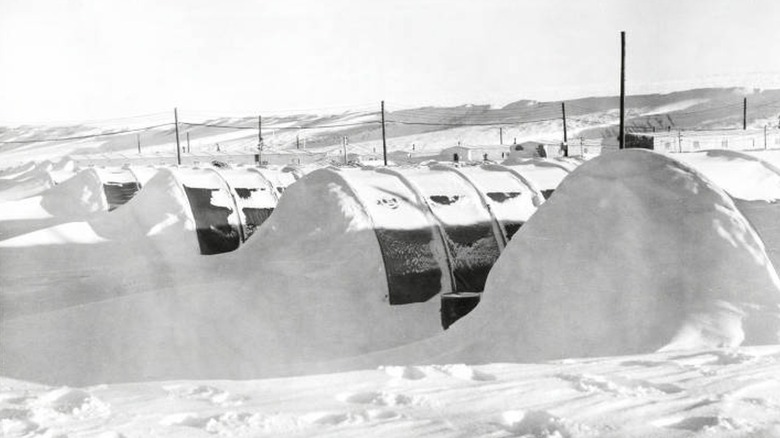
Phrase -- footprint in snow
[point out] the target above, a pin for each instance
(70, 401)
(206, 393)
(618, 385)
(402, 372)
(715, 357)
(459, 371)
(343, 418)
(541, 424)
(464, 372)
(700, 424)
(378, 399)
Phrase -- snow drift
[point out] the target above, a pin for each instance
(753, 183)
(225, 205)
(634, 253)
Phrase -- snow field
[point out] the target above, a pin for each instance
(719, 392)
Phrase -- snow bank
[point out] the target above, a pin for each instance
(77, 197)
(24, 185)
(753, 183)
(310, 287)
(634, 253)
(741, 175)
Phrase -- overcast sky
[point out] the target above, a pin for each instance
(94, 59)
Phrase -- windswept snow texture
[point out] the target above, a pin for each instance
(25, 181)
(634, 253)
(753, 183)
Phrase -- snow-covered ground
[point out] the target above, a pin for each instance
(640, 299)
(722, 392)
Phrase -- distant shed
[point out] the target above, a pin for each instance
(692, 141)
(537, 149)
(474, 153)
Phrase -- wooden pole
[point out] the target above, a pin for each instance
(744, 114)
(188, 142)
(178, 146)
(621, 136)
(384, 136)
(563, 115)
(344, 145)
(500, 135)
(259, 140)
(764, 136)
(138, 140)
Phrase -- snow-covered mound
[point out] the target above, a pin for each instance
(226, 206)
(742, 176)
(753, 183)
(634, 253)
(24, 181)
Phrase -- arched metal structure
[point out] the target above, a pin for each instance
(441, 229)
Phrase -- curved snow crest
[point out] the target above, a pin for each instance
(741, 175)
(161, 211)
(636, 252)
(78, 196)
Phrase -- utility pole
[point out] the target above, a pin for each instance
(622, 135)
(344, 144)
(138, 141)
(563, 115)
(744, 114)
(178, 146)
(500, 135)
(188, 143)
(764, 136)
(259, 139)
(384, 137)
(297, 141)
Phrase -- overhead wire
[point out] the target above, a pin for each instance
(84, 137)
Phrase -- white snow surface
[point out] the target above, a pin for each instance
(741, 175)
(719, 392)
(635, 253)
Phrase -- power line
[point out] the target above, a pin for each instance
(280, 128)
(472, 124)
(83, 137)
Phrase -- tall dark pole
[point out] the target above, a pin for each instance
(744, 114)
(188, 142)
(622, 134)
(384, 138)
(344, 144)
(259, 139)
(563, 115)
(500, 135)
(138, 140)
(178, 146)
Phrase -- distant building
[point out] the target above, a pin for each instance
(692, 141)
(537, 148)
(474, 153)
(588, 148)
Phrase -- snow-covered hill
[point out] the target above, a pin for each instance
(422, 131)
